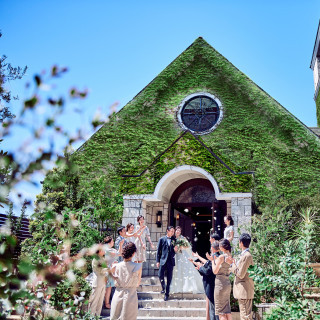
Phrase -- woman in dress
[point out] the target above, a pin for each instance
(132, 236)
(111, 256)
(98, 285)
(141, 244)
(222, 288)
(228, 232)
(185, 277)
(124, 305)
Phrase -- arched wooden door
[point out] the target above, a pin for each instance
(195, 209)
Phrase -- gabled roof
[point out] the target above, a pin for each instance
(201, 48)
(256, 133)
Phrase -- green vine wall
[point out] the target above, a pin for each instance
(256, 134)
(188, 151)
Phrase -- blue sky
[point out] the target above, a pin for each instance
(115, 48)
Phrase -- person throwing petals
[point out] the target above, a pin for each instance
(222, 288)
(141, 244)
(132, 236)
(243, 287)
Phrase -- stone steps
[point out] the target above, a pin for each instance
(160, 303)
(157, 295)
(172, 312)
(179, 306)
(148, 288)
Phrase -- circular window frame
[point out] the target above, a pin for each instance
(194, 95)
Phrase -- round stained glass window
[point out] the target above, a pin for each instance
(200, 113)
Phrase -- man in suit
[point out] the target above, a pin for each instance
(208, 278)
(165, 260)
(243, 287)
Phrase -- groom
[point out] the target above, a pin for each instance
(165, 260)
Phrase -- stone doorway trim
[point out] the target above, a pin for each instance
(172, 179)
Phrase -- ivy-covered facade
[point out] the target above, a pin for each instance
(255, 153)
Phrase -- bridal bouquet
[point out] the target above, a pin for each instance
(181, 243)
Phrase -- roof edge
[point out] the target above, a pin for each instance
(315, 48)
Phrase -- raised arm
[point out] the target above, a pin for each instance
(120, 247)
(149, 238)
(241, 270)
(135, 234)
(196, 255)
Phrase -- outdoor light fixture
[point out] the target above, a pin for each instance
(159, 219)
(186, 210)
(178, 216)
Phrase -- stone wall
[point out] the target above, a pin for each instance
(134, 206)
(241, 211)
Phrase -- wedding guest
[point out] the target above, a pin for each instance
(111, 256)
(243, 287)
(228, 232)
(208, 279)
(131, 235)
(141, 243)
(99, 267)
(222, 288)
(124, 305)
(121, 236)
(214, 237)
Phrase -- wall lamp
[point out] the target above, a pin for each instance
(159, 219)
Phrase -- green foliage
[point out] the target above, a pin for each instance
(284, 246)
(7, 73)
(50, 230)
(295, 310)
(63, 225)
(66, 295)
(189, 151)
(12, 274)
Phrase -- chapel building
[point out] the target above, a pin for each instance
(199, 142)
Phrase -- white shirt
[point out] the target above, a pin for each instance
(226, 232)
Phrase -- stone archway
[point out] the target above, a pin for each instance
(238, 205)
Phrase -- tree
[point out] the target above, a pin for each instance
(8, 73)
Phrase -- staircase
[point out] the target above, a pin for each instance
(179, 306)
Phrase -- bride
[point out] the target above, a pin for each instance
(185, 277)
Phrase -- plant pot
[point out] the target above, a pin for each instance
(316, 268)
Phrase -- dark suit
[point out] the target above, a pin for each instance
(208, 279)
(165, 256)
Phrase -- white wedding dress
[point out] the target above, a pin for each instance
(186, 277)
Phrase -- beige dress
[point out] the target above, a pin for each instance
(124, 305)
(98, 287)
(141, 253)
(222, 290)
